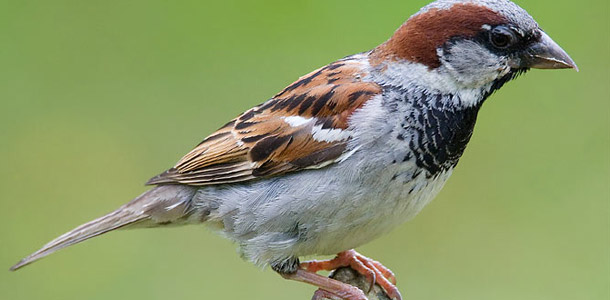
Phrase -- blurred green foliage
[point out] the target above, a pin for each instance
(98, 96)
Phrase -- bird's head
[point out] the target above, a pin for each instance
(472, 44)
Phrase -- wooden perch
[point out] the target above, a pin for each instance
(349, 276)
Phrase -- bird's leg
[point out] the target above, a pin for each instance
(321, 294)
(329, 288)
(332, 288)
(374, 271)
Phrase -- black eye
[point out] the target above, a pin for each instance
(502, 37)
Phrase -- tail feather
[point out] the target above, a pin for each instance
(111, 221)
(161, 205)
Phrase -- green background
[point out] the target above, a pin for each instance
(98, 96)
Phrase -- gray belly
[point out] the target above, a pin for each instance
(318, 211)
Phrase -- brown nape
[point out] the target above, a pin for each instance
(418, 38)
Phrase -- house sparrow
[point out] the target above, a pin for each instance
(347, 152)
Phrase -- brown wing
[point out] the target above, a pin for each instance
(304, 126)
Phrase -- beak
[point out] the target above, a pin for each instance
(544, 54)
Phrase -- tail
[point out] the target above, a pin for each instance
(114, 220)
(159, 206)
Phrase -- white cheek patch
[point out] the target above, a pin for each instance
(296, 121)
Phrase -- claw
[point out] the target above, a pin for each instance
(372, 270)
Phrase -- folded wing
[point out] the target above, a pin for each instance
(305, 126)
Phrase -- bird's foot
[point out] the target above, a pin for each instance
(374, 271)
(329, 288)
(321, 294)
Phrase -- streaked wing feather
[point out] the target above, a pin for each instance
(290, 132)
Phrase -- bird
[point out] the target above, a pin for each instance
(347, 152)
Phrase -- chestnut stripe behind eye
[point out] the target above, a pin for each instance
(418, 38)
